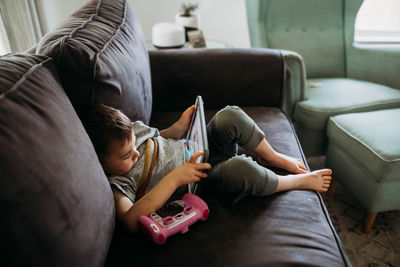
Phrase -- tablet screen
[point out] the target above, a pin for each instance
(196, 139)
(194, 142)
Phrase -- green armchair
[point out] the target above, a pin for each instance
(328, 74)
(349, 94)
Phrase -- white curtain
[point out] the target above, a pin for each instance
(4, 44)
(21, 24)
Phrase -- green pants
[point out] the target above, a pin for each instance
(231, 173)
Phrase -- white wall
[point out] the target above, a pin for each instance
(223, 20)
(51, 12)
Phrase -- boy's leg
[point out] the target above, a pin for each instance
(242, 174)
(231, 173)
(268, 157)
(232, 126)
(317, 180)
(229, 127)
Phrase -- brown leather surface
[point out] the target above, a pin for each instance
(56, 204)
(101, 56)
(223, 77)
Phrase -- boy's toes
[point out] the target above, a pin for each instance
(323, 189)
(325, 172)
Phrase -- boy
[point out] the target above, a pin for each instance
(120, 146)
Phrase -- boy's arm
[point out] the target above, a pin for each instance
(179, 128)
(129, 212)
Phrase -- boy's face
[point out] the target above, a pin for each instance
(122, 157)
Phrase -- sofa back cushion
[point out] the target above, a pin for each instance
(56, 204)
(101, 56)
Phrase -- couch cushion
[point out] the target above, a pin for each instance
(372, 139)
(56, 204)
(101, 56)
(340, 95)
(241, 77)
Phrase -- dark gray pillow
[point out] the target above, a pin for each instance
(56, 204)
(101, 56)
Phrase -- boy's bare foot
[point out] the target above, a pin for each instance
(268, 157)
(284, 162)
(317, 180)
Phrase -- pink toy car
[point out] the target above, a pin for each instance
(175, 217)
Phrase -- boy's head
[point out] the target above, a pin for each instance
(111, 133)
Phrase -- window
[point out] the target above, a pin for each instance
(19, 27)
(378, 22)
(4, 45)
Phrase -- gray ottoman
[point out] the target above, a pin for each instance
(364, 154)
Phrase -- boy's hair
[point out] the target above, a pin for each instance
(106, 126)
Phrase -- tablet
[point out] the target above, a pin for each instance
(196, 139)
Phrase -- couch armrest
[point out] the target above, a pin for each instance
(243, 77)
(295, 80)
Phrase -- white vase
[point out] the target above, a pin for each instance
(191, 22)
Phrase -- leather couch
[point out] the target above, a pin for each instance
(57, 207)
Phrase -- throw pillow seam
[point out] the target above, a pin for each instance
(23, 78)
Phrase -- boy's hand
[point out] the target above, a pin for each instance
(190, 171)
(182, 125)
(184, 120)
(178, 129)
